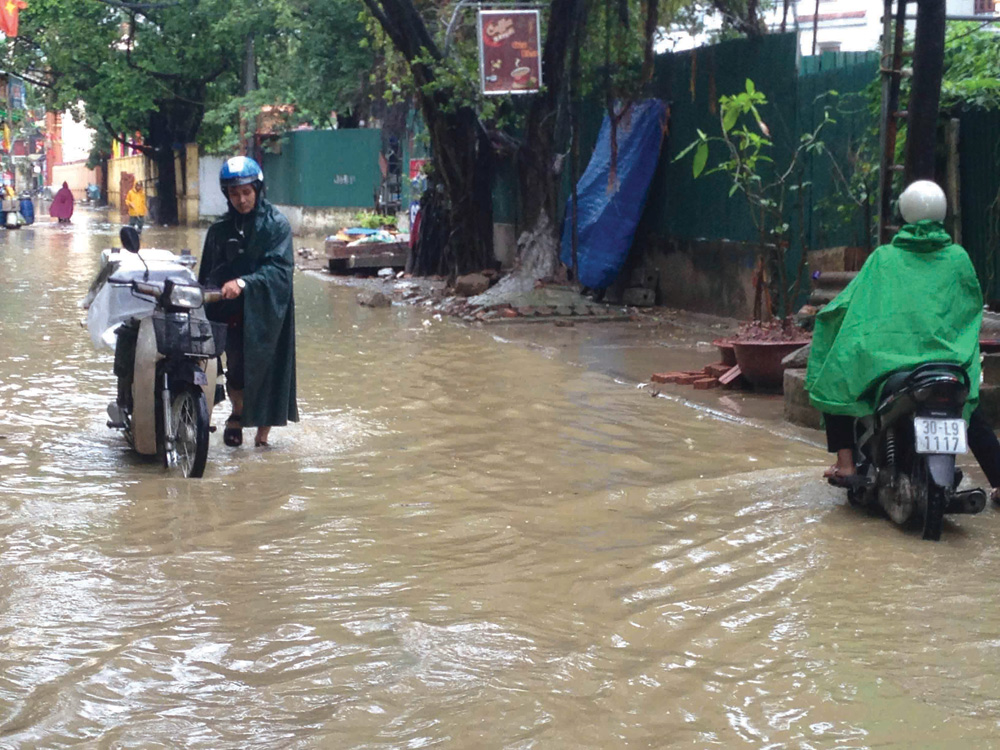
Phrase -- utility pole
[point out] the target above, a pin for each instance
(925, 93)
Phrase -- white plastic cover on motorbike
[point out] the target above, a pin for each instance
(113, 304)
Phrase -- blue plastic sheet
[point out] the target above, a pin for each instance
(607, 215)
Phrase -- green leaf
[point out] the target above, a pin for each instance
(700, 158)
(729, 118)
(733, 189)
(750, 87)
(687, 149)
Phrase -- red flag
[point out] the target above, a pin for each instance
(8, 15)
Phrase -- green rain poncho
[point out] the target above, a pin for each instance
(266, 264)
(915, 299)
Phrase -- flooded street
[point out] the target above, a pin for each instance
(467, 542)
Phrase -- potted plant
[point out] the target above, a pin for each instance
(762, 342)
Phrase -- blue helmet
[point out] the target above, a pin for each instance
(240, 170)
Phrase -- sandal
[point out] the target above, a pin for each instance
(848, 481)
(233, 436)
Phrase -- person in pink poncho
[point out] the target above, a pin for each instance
(62, 204)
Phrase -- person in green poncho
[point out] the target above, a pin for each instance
(248, 253)
(915, 299)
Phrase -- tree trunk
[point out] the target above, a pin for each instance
(456, 234)
(539, 176)
(925, 94)
(162, 142)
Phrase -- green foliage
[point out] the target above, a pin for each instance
(766, 187)
(971, 67)
(372, 220)
(165, 70)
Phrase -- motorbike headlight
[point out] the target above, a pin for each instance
(189, 297)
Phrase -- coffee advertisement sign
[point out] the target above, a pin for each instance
(509, 41)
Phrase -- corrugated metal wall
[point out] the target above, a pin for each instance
(837, 81)
(325, 168)
(979, 164)
(678, 206)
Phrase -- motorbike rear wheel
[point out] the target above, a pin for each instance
(189, 413)
(934, 514)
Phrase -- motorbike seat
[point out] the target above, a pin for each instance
(895, 382)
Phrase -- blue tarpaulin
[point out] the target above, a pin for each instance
(607, 215)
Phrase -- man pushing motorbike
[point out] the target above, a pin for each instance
(248, 253)
(915, 299)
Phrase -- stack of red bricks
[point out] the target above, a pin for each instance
(711, 376)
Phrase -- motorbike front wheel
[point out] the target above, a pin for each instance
(189, 414)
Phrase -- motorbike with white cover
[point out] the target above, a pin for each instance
(147, 306)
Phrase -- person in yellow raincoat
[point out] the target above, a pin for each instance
(135, 202)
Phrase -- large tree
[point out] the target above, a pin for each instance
(577, 57)
(457, 226)
(160, 68)
(138, 68)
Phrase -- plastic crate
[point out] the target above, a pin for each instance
(180, 333)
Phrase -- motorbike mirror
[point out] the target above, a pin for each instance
(129, 238)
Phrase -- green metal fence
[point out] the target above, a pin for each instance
(679, 205)
(979, 184)
(798, 92)
(326, 168)
(838, 86)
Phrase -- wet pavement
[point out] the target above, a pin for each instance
(477, 536)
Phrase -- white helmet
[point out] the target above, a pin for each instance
(923, 199)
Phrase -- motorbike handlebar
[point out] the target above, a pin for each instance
(212, 295)
(151, 288)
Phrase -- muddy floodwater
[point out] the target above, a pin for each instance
(476, 537)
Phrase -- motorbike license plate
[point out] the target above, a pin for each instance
(940, 435)
(200, 378)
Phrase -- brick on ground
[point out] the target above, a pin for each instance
(666, 377)
(704, 384)
(718, 370)
(689, 378)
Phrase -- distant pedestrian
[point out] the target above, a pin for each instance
(135, 202)
(62, 204)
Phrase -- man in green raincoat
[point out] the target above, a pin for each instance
(248, 253)
(916, 299)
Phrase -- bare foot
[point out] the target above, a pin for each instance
(260, 439)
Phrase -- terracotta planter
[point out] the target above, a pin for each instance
(760, 361)
(725, 347)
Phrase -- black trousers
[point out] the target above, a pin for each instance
(235, 376)
(982, 441)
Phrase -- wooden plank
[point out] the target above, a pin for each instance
(730, 376)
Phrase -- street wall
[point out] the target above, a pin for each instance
(76, 175)
(211, 202)
(144, 169)
(706, 276)
(324, 221)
